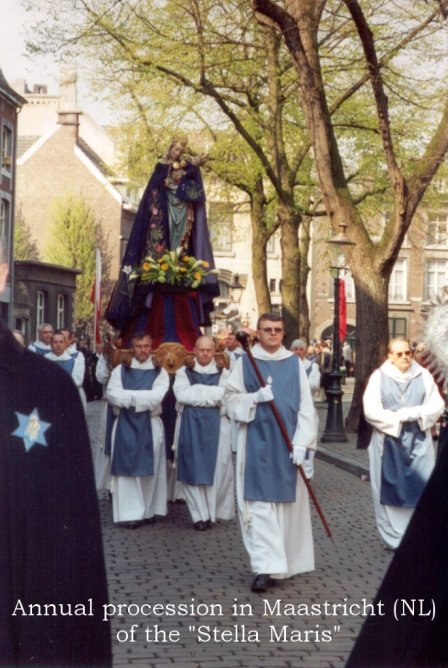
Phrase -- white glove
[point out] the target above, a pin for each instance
(219, 393)
(263, 394)
(298, 454)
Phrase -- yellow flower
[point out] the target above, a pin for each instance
(146, 266)
(186, 259)
(197, 275)
(205, 263)
(164, 266)
(182, 270)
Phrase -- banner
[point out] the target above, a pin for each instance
(96, 298)
(342, 310)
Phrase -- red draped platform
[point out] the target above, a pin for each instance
(173, 317)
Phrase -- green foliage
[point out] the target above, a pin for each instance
(74, 235)
(25, 247)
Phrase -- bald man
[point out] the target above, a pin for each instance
(202, 438)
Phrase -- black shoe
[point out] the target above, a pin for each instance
(149, 520)
(208, 524)
(200, 526)
(261, 582)
(131, 525)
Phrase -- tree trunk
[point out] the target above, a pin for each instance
(371, 338)
(260, 238)
(304, 311)
(289, 225)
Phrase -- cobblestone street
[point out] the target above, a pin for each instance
(222, 623)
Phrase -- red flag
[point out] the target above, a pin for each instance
(342, 310)
(95, 298)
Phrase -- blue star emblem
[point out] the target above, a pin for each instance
(31, 429)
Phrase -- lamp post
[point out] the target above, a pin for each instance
(334, 426)
(233, 309)
(236, 289)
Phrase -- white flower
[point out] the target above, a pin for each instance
(127, 269)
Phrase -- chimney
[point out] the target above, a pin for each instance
(40, 89)
(68, 113)
(67, 89)
(70, 119)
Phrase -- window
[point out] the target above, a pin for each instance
(270, 246)
(440, 186)
(4, 219)
(6, 148)
(272, 285)
(220, 217)
(40, 308)
(437, 232)
(60, 312)
(398, 281)
(397, 327)
(436, 277)
(349, 286)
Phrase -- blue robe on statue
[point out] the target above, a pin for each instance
(133, 452)
(270, 474)
(199, 436)
(151, 235)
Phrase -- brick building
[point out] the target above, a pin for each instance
(10, 104)
(419, 275)
(62, 151)
(42, 293)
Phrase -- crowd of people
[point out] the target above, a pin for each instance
(134, 460)
(222, 408)
(260, 404)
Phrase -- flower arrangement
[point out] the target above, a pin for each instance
(172, 268)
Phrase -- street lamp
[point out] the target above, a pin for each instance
(334, 427)
(236, 289)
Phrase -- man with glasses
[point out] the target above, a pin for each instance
(402, 403)
(273, 502)
(42, 345)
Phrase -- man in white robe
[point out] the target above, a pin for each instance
(202, 439)
(42, 345)
(138, 485)
(402, 403)
(72, 350)
(274, 511)
(73, 365)
(232, 348)
(300, 348)
(101, 459)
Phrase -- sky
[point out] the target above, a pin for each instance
(15, 64)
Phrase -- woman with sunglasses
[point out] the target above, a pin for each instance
(402, 403)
